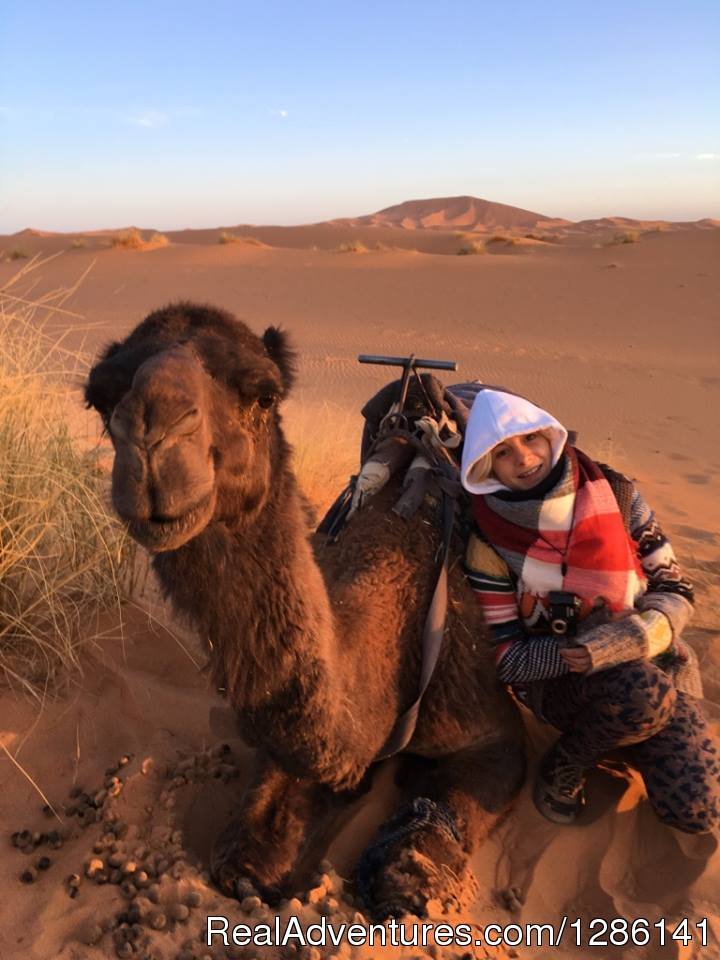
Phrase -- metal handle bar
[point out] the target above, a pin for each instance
(405, 361)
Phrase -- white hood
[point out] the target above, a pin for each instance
(495, 416)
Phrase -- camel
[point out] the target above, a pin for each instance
(316, 645)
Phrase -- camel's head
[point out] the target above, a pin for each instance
(190, 400)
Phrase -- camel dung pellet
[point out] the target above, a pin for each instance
(249, 904)
(116, 858)
(92, 866)
(158, 920)
(111, 770)
(125, 949)
(37, 838)
(100, 798)
(74, 880)
(48, 810)
(129, 866)
(169, 803)
(176, 836)
(54, 840)
(75, 792)
(178, 911)
(115, 790)
(330, 907)
(128, 889)
(91, 934)
(28, 876)
(115, 876)
(153, 893)
(120, 829)
(125, 760)
(177, 870)
(102, 876)
(316, 894)
(141, 878)
(193, 899)
(141, 852)
(43, 863)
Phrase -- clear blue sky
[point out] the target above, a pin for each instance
(173, 114)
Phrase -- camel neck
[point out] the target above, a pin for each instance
(255, 595)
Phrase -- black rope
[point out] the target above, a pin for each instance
(418, 814)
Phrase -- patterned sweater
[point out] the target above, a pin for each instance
(528, 652)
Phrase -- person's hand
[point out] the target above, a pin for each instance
(577, 658)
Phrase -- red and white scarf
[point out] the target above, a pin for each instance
(575, 527)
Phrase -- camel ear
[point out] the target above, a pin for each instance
(279, 350)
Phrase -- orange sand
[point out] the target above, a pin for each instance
(618, 339)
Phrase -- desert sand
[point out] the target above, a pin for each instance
(618, 339)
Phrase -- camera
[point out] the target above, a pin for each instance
(564, 609)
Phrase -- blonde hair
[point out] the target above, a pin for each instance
(481, 470)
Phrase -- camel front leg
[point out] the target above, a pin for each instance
(423, 852)
(260, 848)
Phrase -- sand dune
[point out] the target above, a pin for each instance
(619, 339)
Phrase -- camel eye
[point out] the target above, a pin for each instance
(267, 400)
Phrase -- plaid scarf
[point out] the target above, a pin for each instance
(571, 538)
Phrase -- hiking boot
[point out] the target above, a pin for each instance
(559, 792)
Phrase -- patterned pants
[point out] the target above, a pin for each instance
(662, 732)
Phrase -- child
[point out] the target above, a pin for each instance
(586, 604)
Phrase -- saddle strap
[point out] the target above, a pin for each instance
(433, 633)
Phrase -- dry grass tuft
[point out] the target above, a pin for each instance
(503, 238)
(227, 237)
(625, 236)
(159, 240)
(17, 254)
(63, 557)
(473, 248)
(128, 240)
(352, 246)
(326, 449)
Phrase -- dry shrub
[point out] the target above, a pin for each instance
(227, 237)
(472, 249)
(159, 240)
(625, 236)
(63, 556)
(79, 243)
(128, 239)
(352, 246)
(17, 254)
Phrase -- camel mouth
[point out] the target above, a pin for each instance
(158, 536)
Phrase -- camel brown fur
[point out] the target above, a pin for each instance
(316, 645)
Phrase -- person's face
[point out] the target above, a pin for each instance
(522, 462)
